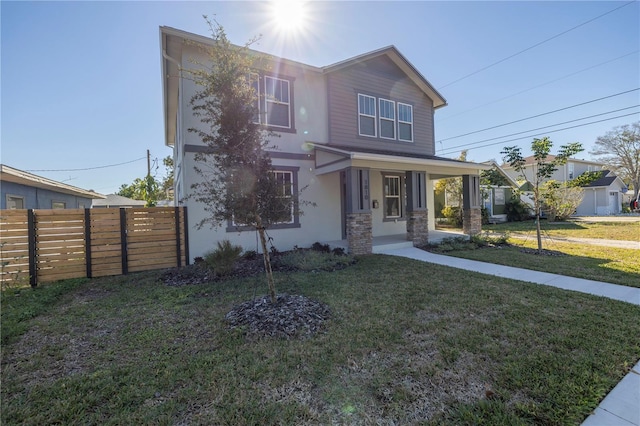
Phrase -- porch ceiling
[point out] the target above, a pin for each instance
(331, 159)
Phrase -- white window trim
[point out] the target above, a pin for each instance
(381, 118)
(375, 121)
(405, 122)
(256, 77)
(267, 101)
(290, 197)
(399, 196)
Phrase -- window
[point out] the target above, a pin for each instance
(254, 81)
(284, 180)
(405, 122)
(287, 189)
(14, 202)
(571, 170)
(277, 105)
(387, 119)
(392, 197)
(366, 115)
(58, 205)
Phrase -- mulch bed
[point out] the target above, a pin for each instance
(544, 252)
(292, 316)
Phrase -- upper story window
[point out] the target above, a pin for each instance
(393, 119)
(366, 115)
(276, 110)
(387, 119)
(405, 122)
(571, 170)
(15, 202)
(277, 105)
(58, 205)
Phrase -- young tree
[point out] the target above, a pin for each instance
(542, 168)
(238, 184)
(620, 150)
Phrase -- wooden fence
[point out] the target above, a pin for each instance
(48, 245)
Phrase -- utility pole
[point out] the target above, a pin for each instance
(148, 163)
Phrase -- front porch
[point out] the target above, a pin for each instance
(384, 243)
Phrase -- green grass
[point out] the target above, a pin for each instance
(625, 231)
(607, 264)
(409, 342)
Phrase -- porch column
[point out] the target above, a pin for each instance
(471, 207)
(358, 211)
(417, 213)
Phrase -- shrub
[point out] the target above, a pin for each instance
(516, 210)
(223, 259)
(485, 215)
(313, 260)
(453, 215)
(485, 239)
(250, 254)
(324, 248)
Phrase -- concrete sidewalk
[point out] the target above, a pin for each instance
(621, 407)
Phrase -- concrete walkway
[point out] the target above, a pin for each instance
(621, 407)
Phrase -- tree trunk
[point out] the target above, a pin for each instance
(267, 264)
(538, 232)
(536, 202)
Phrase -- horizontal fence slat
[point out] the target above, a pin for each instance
(60, 246)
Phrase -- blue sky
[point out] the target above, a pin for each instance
(81, 83)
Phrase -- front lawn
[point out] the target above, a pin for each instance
(625, 231)
(592, 262)
(407, 343)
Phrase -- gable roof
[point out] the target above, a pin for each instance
(401, 61)
(171, 44)
(605, 180)
(9, 174)
(532, 160)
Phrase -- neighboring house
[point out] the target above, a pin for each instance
(115, 200)
(602, 197)
(23, 190)
(358, 136)
(496, 197)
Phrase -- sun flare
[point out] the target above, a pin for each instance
(289, 15)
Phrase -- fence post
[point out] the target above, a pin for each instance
(87, 242)
(31, 232)
(176, 212)
(123, 241)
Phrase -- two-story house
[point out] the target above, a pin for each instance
(358, 136)
(603, 196)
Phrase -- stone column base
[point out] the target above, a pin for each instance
(417, 227)
(359, 233)
(472, 221)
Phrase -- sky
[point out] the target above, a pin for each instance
(81, 92)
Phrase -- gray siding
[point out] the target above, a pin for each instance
(380, 78)
(38, 198)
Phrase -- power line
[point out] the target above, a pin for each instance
(544, 133)
(544, 127)
(540, 115)
(535, 45)
(484, 104)
(87, 168)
